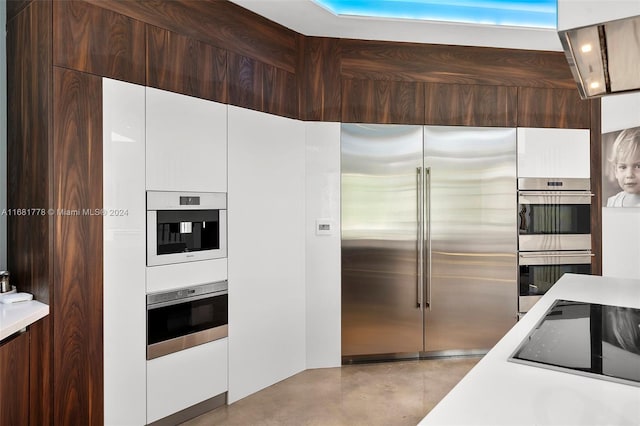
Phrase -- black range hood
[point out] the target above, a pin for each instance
(604, 58)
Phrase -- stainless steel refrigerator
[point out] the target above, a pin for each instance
(429, 239)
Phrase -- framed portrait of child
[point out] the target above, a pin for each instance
(621, 168)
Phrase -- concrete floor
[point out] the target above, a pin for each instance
(390, 394)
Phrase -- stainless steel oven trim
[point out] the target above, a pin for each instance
(166, 298)
(525, 303)
(170, 200)
(176, 344)
(562, 258)
(546, 242)
(186, 299)
(545, 198)
(554, 184)
(154, 259)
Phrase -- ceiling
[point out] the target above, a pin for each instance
(515, 13)
(309, 18)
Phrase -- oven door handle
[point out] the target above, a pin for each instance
(529, 256)
(554, 199)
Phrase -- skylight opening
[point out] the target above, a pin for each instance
(515, 13)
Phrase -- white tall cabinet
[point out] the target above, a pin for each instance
(186, 143)
(323, 248)
(124, 253)
(282, 179)
(266, 250)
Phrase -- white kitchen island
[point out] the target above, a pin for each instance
(499, 392)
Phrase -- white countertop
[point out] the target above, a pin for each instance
(16, 316)
(498, 392)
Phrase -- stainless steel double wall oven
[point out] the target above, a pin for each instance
(554, 227)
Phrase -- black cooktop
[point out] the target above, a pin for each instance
(599, 341)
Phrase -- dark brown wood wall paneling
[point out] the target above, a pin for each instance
(430, 63)
(245, 82)
(29, 241)
(261, 87)
(319, 81)
(94, 40)
(14, 381)
(370, 101)
(596, 186)
(41, 373)
(185, 65)
(561, 108)
(470, 105)
(28, 131)
(279, 92)
(14, 7)
(219, 23)
(78, 327)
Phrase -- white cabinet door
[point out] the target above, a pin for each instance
(124, 254)
(266, 250)
(554, 153)
(323, 249)
(186, 143)
(185, 378)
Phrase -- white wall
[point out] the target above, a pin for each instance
(3, 135)
(620, 226)
(621, 242)
(323, 251)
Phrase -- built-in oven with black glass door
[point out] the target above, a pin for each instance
(185, 226)
(554, 214)
(540, 270)
(186, 317)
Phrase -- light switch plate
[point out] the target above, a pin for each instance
(324, 227)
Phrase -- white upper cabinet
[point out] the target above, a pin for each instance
(554, 153)
(186, 143)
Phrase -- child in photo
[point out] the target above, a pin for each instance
(625, 168)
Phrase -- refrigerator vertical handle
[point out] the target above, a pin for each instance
(427, 222)
(419, 238)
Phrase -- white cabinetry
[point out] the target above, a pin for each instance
(186, 143)
(323, 251)
(185, 378)
(556, 153)
(266, 250)
(124, 254)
